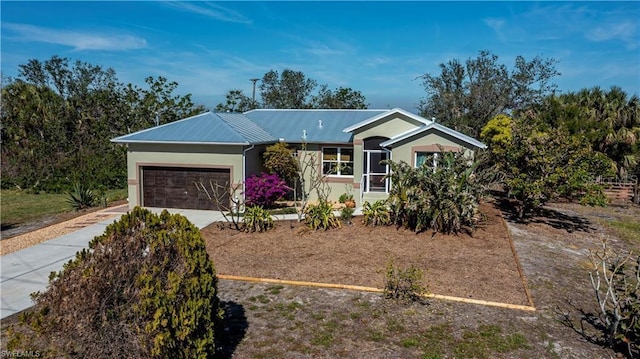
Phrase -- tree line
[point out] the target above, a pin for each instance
(58, 116)
(58, 119)
(292, 89)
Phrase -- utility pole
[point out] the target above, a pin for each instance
(253, 97)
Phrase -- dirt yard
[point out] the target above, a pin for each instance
(481, 266)
(270, 320)
(264, 320)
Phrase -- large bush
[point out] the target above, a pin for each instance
(146, 288)
(541, 163)
(443, 198)
(264, 189)
(278, 159)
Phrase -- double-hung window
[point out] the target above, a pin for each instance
(337, 161)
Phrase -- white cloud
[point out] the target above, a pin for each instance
(211, 10)
(494, 23)
(624, 31)
(78, 40)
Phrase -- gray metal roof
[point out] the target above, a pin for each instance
(204, 128)
(320, 126)
(250, 130)
(265, 126)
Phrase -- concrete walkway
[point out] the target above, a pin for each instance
(27, 271)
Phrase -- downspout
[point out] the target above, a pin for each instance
(244, 167)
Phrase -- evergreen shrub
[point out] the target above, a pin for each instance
(146, 288)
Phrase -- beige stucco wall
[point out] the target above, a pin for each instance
(333, 185)
(179, 155)
(401, 151)
(254, 161)
(386, 127)
(404, 150)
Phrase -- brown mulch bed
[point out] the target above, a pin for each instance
(479, 266)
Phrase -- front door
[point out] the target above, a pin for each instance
(374, 172)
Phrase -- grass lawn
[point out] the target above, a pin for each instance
(628, 229)
(20, 207)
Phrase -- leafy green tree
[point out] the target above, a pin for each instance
(279, 159)
(465, 96)
(58, 119)
(236, 101)
(291, 89)
(543, 163)
(341, 98)
(34, 136)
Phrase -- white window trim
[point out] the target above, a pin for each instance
(338, 160)
(366, 171)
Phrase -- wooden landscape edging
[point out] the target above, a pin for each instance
(518, 265)
(375, 290)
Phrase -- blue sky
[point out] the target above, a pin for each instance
(377, 48)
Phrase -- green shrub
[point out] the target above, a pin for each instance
(257, 219)
(146, 288)
(278, 159)
(320, 216)
(376, 214)
(346, 214)
(403, 284)
(443, 198)
(345, 197)
(81, 197)
(593, 195)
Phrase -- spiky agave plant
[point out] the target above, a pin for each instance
(81, 197)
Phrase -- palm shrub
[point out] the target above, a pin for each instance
(376, 214)
(443, 198)
(454, 194)
(257, 219)
(320, 216)
(81, 197)
(146, 288)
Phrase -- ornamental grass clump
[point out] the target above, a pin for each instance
(320, 216)
(146, 288)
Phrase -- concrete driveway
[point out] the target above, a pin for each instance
(27, 271)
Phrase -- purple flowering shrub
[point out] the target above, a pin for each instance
(264, 189)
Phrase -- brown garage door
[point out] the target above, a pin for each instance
(173, 187)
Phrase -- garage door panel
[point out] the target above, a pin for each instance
(171, 187)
